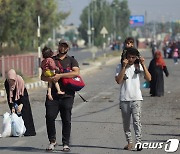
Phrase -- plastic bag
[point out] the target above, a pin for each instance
(146, 84)
(17, 125)
(6, 127)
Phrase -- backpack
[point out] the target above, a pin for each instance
(75, 83)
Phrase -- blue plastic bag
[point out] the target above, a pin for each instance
(146, 84)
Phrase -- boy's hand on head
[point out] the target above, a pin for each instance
(142, 60)
(125, 62)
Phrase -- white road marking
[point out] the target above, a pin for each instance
(90, 100)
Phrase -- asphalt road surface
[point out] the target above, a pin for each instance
(97, 124)
(85, 55)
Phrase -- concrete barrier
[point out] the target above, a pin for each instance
(35, 84)
(2, 93)
(27, 86)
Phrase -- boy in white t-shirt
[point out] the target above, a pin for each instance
(130, 94)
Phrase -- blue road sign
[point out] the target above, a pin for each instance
(136, 20)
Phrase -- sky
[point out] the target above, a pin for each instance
(157, 10)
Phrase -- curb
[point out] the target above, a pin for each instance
(28, 86)
(35, 84)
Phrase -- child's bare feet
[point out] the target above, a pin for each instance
(50, 97)
(61, 92)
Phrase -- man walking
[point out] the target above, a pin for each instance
(130, 93)
(62, 103)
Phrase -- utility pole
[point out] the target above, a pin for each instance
(95, 5)
(114, 5)
(92, 23)
(154, 30)
(54, 39)
(89, 28)
(114, 23)
(145, 25)
(39, 47)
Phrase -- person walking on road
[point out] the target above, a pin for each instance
(17, 95)
(175, 55)
(61, 103)
(49, 69)
(130, 94)
(156, 68)
(154, 47)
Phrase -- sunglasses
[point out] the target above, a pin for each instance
(129, 42)
(63, 45)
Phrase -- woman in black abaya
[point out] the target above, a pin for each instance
(17, 94)
(156, 68)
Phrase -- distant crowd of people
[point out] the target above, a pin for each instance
(171, 49)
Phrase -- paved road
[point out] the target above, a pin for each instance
(97, 124)
(86, 54)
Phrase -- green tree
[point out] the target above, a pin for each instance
(4, 10)
(100, 19)
(122, 18)
(19, 26)
(50, 18)
(114, 16)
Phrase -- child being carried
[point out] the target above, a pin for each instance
(49, 69)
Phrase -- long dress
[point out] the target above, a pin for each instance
(26, 110)
(157, 78)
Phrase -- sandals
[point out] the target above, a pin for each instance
(51, 146)
(66, 148)
(128, 147)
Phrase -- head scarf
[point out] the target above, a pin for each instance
(18, 85)
(159, 59)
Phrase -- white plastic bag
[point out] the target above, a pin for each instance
(6, 128)
(17, 125)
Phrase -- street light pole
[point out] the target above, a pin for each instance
(95, 5)
(89, 28)
(54, 39)
(114, 23)
(39, 47)
(92, 22)
(115, 6)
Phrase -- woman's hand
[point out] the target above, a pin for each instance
(13, 110)
(20, 108)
